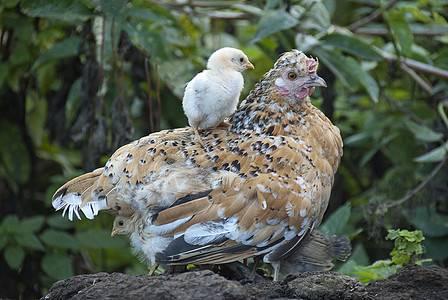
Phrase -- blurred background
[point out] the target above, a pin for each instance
(78, 79)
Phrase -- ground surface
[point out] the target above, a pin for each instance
(408, 283)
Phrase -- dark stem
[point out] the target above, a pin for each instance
(412, 192)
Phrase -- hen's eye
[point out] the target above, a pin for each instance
(292, 75)
(241, 60)
(121, 223)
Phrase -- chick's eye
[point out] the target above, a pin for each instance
(121, 223)
(292, 75)
(241, 60)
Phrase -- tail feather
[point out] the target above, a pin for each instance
(73, 196)
(342, 247)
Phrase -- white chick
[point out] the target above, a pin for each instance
(212, 95)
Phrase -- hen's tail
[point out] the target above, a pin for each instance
(81, 193)
(341, 247)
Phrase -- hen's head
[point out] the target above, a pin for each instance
(229, 58)
(296, 75)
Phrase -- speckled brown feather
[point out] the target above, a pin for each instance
(272, 170)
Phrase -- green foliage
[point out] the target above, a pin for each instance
(17, 236)
(407, 250)
(336, 222)
(20, 239)
(407, 247)
(79, 73)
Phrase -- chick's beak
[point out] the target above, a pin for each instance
(316, 81)
(114, 232)
(249, 65)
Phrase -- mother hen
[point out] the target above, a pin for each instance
(258, 187)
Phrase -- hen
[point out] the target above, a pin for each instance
(212, 95)
(257, 188)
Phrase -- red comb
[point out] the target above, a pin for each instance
(311, 64)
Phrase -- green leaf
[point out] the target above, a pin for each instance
(429, 221)
(144, 14)
(436, 248)
(4, 68)
(336, 63)
(29, 241)
(434, 155)
(10, 221)
(36, 115)
(57, 266)
(372, 87)
(305, 42)
(380, 264)
(14, 256)
(273, 21)
(364, 79)
(66, 10)
(13, 153)
(57, 221)
(66, 48)
(382, 143)
(424, 133)
(10, 3)
(401, 258)
(352, 45)
(59, 239)
(392, 235)
(253, 10)
(414, 248)
(20, 56)
(113, 8)
(3, 241)
(417, 13)
(318, 16)
(32, 224)
(148, 39)
(98, 239)
(337, 220)
(402, 31)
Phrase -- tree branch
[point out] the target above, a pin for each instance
(191, 3)
(221, 15)
(422, 82)
(415, 31)
(412, 192)
(377, 13)
(413, 64)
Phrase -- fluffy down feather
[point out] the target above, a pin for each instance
(212, 95)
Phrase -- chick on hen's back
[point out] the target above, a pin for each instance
(212, 95)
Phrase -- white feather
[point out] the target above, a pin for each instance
(162, 229)
(71, 203)
(206, 233)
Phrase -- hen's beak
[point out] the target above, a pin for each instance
(114, 232)
(250, 66)
(316, 81)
